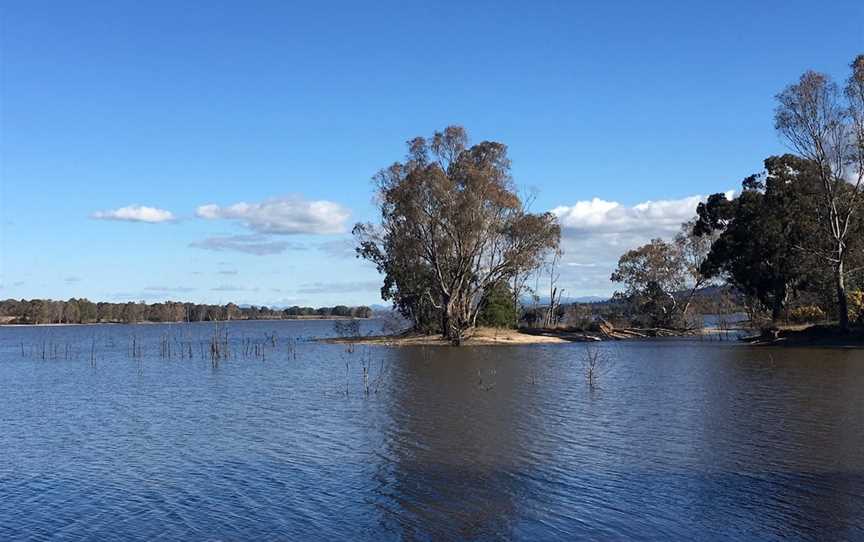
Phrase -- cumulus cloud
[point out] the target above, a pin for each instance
(285, 216)
(594, 234)
(136, 213)
(259, 245)
(601, 216)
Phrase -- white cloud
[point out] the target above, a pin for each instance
(288, 215)
(601, 216)
(596, 232)
(136, 213)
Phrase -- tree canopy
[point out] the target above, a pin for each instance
(452, 227)
(826, 127)
(762, 231)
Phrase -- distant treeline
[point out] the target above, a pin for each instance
(83, 311)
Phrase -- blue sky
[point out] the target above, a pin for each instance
(291, 109)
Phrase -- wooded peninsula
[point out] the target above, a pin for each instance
(457, 245)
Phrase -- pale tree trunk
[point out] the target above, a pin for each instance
(842, 302)
(776, 310)
(452, 321)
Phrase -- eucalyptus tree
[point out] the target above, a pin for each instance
(826, 127)
(653, 274)
(757, 235)
(452, 227)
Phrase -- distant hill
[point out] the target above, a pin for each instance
(568, 300)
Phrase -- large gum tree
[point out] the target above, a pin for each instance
(452, 228)
(826, 126)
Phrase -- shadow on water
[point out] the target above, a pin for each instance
(452, 454)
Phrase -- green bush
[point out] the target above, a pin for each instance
(806, 314)
(498, 309)
(856, 306)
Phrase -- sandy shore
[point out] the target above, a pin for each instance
(478, 337)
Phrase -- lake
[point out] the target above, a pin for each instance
(113, 432)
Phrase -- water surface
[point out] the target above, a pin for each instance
(681, 439)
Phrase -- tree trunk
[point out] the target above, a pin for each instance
(452, 321)
(776, 309)
(781, 295)
(842, 303)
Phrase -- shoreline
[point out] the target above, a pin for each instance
(479, 337)
(484, 336)
(818, 335)
(814, 336)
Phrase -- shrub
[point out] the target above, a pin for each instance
(806, 314)
(856, 306)
(498, 309)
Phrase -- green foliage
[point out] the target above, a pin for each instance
(826, 127)
(806, 314)
(856, 306)
(652, 275)
(498, 309)
(82, 311)
(452, 225)
(761, 232)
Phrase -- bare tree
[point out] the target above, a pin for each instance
(596, 362)
(814, 120)
(520, 288)
(519, 281)
(554, 292)
(693, 252)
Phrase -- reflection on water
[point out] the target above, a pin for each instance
(682, 440)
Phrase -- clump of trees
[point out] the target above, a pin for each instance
(80, 311)
(452, 231)
(661, 278)
(794, 231)
(798, 227)
(761, 233)
(826, 127)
